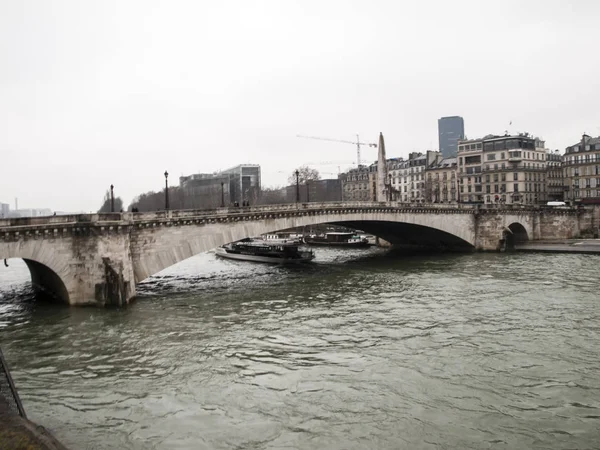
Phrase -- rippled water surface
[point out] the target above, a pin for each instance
(359, 350)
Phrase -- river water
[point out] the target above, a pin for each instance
(359, 350)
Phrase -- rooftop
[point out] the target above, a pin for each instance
(444, 163)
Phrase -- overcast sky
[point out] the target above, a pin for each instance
(101, 92)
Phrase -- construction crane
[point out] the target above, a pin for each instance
(357, 143)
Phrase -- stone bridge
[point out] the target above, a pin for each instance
(99, 258)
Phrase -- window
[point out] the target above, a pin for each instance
(516, 187)
(496, 189)
(491, 157)
(487, 199)
(502, 156)
(487, 178)
(503, 177)
(488, 146)
(488, 189)
(516, 176)
(495, 177)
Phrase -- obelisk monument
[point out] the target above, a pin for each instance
(381, 172)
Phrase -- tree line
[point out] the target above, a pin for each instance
(211, 198)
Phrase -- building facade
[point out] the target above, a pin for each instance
(441, 181)
(319, 191)
(554, 177)
(239, 184)
(450, 131)
(405, 179)
(502, 169)
(356, 184)
(581, 165)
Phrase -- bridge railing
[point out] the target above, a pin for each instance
(129, 217)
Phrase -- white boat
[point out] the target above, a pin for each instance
(337, 239)
(265, 252)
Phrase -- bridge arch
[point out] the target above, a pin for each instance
(48, 273)
(158, 246)
(515, 234)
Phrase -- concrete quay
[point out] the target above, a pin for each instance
(561, 246)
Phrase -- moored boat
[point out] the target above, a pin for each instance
(265, 252)
(337, 239)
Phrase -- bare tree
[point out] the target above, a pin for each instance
(155, 201)
(272, 196)
(105, 208)
(305, 174)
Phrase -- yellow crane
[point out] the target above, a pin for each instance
(357, 143)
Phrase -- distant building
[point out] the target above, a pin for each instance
(317, 191)
(554, 177)
(502, 169)
(417, 163)
(441, 182)
(581, 164)
(4, 210)
(30, 212)
(450, 131)
(239, 184)
(355, 184)
(244, 182)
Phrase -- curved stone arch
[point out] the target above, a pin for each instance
(519, 232)
(49, 272)
(154, 248)
(525, 220)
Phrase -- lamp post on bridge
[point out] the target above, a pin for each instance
(297, 186)
(166, 190)
(112, 199)
(307, 192)
(222, 194)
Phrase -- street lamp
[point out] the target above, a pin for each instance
(297, 186)
(112, 199)
(390, 188)
(166, 190)
(222, 194)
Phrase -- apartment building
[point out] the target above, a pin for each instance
(470, 154)
(441, 181)
(554, 176)
(581, 170)
(502, 170)
(398, 171)
(356, 184)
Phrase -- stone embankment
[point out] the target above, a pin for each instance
(17, 433)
